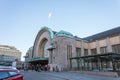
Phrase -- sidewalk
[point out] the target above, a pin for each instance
(106, 74)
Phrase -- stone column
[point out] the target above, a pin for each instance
(82, 48)
(97, 47)
(109, 48)
(50, 56)
(119, 38)
(89, 52)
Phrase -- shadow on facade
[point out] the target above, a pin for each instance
(109, 62)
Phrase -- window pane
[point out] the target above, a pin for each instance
(78, 52)
(116, 48)
(85, 52)
(69, 51)
(103, 50)
(93, 51)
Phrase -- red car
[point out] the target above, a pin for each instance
(10, 74)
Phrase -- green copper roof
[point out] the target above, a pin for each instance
(55, 34)
(49, 30)
(64, 33)
(31, 48)
(36, 59)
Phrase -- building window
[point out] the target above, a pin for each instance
(78, 52)
(93, 51)
(46, 52)
(85, 52)
(116, 48)
(103, 50)
(69, 51)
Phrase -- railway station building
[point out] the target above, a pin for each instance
(98, 52)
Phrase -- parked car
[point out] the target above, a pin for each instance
(9, 73)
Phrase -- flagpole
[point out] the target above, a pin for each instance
(49, 17)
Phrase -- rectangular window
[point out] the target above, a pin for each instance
(93, 51)
(78, 52)
(69, 51)
(116, 48)
(85, 52)
(103, 50)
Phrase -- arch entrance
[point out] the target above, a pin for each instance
(43, 52)
(43, 48)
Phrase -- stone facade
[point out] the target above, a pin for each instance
(62, 46)
(29, 54)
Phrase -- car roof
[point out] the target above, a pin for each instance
(4, 68)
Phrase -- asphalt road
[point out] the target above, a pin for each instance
(33, 75)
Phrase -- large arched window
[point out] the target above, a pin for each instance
(43, 48)
(46, 52)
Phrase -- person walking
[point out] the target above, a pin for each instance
(48, 67)
(56, 69)
(39, 68)
(32, 67)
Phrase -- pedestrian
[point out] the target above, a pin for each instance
(32, 67)
(53, 69)
(48, 67)
(56, 68)
(35, 67)
(25, 67)
(39, 68)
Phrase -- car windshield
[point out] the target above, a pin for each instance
(3, 75)
(13, 73)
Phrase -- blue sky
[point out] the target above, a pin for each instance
(21, 20)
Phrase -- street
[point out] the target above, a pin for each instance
(33, 75)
